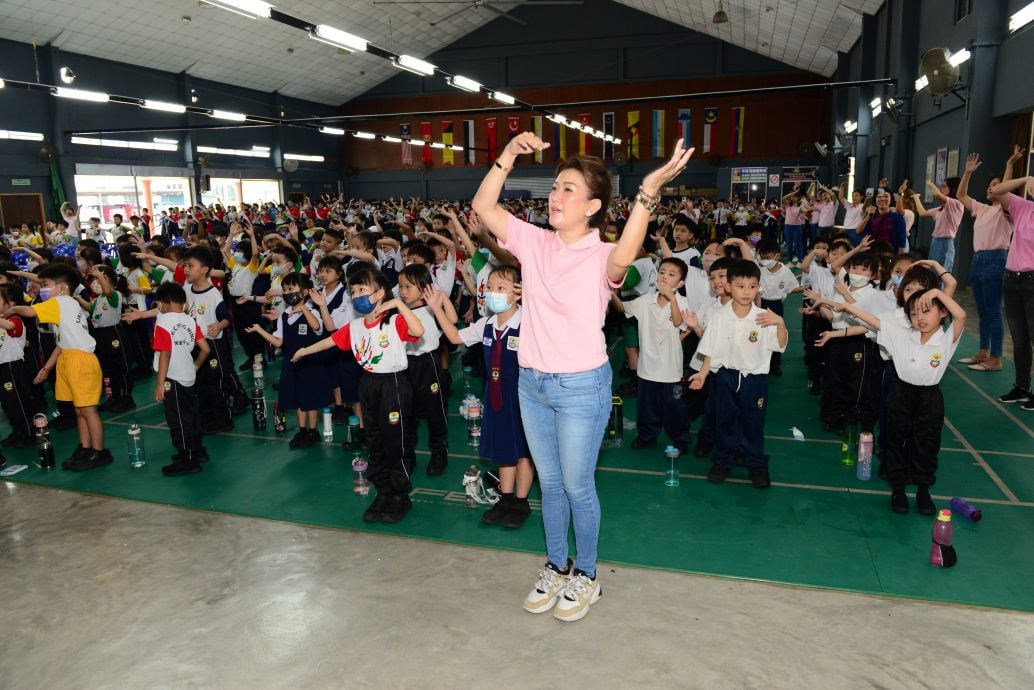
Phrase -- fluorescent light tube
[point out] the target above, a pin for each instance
(414, 65)
(332, 130)
(229, 115)
(165, 107)
(339, 38)
(252, 9)
(465, 83)
(80, 95)
(364, 135)
(502, 97)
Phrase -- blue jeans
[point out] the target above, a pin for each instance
(986, 275)
(564, 418)
(942, 250)
(794, 242)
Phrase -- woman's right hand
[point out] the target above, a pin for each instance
(525, 142)
(653, 182)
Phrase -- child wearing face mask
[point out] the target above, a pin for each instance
(105, 311)
(242, 265)
(335, 308)
(502, 435)
(424, 374)
(16, 391)
(304, 385)
(777, 283)
(378, 342)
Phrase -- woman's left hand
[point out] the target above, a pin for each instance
(653, 182)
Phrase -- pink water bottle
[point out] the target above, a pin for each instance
(941, 551)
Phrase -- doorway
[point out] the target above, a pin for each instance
(16, 209)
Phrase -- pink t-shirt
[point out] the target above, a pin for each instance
(793, 215)
(1021, 251)
(827, 210)
(992, 228)
(947, 218)
(565, 294)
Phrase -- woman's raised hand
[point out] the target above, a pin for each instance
(526, 142)
(680, 155)
(972, 162)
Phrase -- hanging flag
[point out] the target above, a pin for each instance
(710, 128)
(559, 142)
(684, 126)
(405, 134)
(513, 128)
(426, 132)
(608, 128)
(536, 128)
(658, 134)
(490, 126)
(736, 141)
(447, 157)
(633, 134)
(468, 145)
(584, 143)
(57, 189)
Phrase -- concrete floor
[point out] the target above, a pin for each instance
(109, 593)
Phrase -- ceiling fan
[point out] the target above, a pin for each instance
(489, 5)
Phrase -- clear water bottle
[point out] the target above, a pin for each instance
(468, 375)
(258, 372)
(44, 446)
(942, 553)
(847, 446)
(614, 436)
(959, 506)
(471, 485)
(135, 445)
(474, 423)
(258, 409)
(360, 480)
(865, 444)
(353, 439)
(328, 426)
(671, 472)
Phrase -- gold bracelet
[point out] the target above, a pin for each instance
(496, 164)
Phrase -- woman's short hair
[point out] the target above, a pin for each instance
(597, 179)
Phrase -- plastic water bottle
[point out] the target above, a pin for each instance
(941, 551)
(258, 372)
(328, 426)
(44, 446)
(135, 445)
(474, 426)
(865, 444)
(471, 479)
(847, 446)
(258, 408)
(468, 374)
(959, 506)
(352, 440)
(360, 481)
(279, 420)
(671, 474)
(614, 436)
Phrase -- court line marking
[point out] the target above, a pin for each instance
(995, 403)
(1002, 486)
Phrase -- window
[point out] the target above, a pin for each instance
(963, 8)
(102, 196)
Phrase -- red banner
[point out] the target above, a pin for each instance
(490, 124)
(425, 133)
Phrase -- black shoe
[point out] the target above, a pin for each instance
(77, 456)
(436, 465)
(396, 509)
(1028, 406)
(16, 441)
(300, 440)
(180, 467)
(925, 504)
(703, 448)
(96, 458)
(228, 426)
(1016, 395)
(495, 514)
(718, 473)
(639, 444)
(775, 371)
(376, 510)
(759, 477)
(899, 501)
(63, 422)
(518, 514)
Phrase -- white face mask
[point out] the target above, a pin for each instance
(768, 263)
(858, 281)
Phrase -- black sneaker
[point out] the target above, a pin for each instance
(77, 456)
(300, 440)
(899, 501)
(639, 444)
(1016, 395)
(1028, 406)
(718, 473)
(518, 514)
(925, 504)
(376, 509)
(436, 465)
(495, 514)
(16, 441)
(96, 458)
(703, 448)
(396, 509)
(179, 468)
(759, 477)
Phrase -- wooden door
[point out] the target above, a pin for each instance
(16, 209)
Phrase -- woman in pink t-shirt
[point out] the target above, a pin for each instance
(992, 231)
(947, 218)
(565, 380)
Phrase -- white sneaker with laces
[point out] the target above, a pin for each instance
(574, 601)
(543, 595)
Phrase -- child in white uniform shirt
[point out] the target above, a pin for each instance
(777, 283)
(737, 344)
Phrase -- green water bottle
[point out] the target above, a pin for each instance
(848, 446)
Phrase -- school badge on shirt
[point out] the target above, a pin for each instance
(393, 417)
(383, 340)
(753, 337)
(511, 342)
(935, 361)
(303, 329)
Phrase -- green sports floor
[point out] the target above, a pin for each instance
(818, 526)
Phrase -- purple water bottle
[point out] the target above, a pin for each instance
(960, 507)
(942, 553)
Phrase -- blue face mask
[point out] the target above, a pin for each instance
(44, 294)
(238, 257)
(896, 280)
(363, 304)
(497, 302)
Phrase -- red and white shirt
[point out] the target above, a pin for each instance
(177, 333)
(378, 348)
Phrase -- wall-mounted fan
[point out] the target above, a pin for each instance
(843, 138)
(290, 164)
(822, 149)
(46, 154)
(620, 159)
(941, 75)
(489, 5)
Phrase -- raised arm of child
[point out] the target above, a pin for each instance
(278, 342)
(413, 322)
(155, 259)
(837, 264)
(135, 315)
(958, 314)
(436, 300)
(946, 278)
(27, 275)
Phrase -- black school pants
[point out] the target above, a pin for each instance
(244, 315)
(740, 402)
(387, 401)
(16, 396)
(776, 305)
(184, 419)
(812, 328)
(115, 363)
(662, 405)
(229, 383)
(915, 417)
(426, 380)
(216, 408)
(855, 374)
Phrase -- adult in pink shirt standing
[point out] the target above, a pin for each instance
(992, 232)
(565, 378)
(1018, 286)
(947, 218)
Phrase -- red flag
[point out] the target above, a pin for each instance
(425, 131)
(490, 124)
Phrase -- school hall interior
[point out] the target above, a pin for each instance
(260, 572)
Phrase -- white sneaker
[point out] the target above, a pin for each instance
(574, 601)
(548, 587)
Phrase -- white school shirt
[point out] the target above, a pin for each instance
(821, 279)
(776, 286)
(107, 311)
(897, 317)
(660, 348)
(242, 277)
(177, 333)
(698, 290)
(739, 344)
(707, 311)
(379, 348)
(444, 275)
(138, 279)
(344, 312)
(293, 315)
(205, 307)
(917, 363)
(431, 338)
(71, 323)
(12, 342)
(647, 278)
(475, 332)
(866, 298)
(687, 254)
